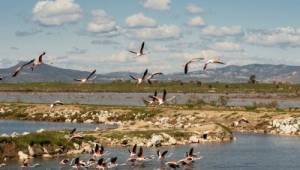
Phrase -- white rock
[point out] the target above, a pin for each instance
(25, 133)
(68, 120)
(76, 146)
(88, 121)
(194, 139)
(156, 140)
(23, 156)
(14, 134)
(172, 141)
(4, 135)
(40, 130)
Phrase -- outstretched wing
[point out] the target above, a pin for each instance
(191, 152)
(91, 74)
(132, 52)
(218, 62)
(164, 95)
(171, 98)
(154, 98)
(30, 62)
(73, 131)
(134, 148)
(145, 74)
(17, 71)
(155, 93)
(141, 152)
(77, 79)
(113, 160)
(164, 153)
(205, 66)
(154, 74)
(133, 77)
(186, 67)
(142, 48)
(100, 161)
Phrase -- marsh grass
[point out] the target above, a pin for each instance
(52, 138)
(146, 134)
(125, 86)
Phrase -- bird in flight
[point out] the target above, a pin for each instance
(84, 80)
(151, 77)
(212, 62)
(19, 69)
(141, 52)
(140, 80)
(163, 99)
(186, 66)
(38, 61)
(56, 103)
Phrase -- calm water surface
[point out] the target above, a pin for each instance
(135, 99)
(248, 152)
(10, 126)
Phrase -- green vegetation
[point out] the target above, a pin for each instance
(136, 113)
(146, 134)
(174, 86)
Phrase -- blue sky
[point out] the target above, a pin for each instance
(88, 34)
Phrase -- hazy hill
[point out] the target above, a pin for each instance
(231, 73)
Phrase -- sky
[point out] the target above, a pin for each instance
(97, 34)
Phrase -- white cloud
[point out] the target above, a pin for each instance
(157, 33)
(193, 9)
(56, 12)
(282, 37)
(196, 21)
(140, 20)
(120, 56)
(227, 46)
(221, 31)
(101, 22)
(125, 56)
(157, 4)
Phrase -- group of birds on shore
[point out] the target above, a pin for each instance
(136, 158)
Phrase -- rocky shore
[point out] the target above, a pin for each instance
(145, 126)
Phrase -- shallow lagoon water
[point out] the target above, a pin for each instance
(135, 99)
(248, 152)
(10, 126)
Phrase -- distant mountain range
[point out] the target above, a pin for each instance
(230, 74)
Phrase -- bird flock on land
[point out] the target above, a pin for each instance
(135, 158)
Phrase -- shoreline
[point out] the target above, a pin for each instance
(155, 126)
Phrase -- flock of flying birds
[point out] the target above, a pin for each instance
(146, 77)
(135, 158)
(139, 80)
